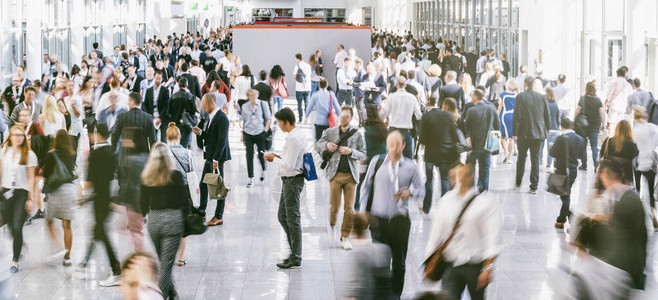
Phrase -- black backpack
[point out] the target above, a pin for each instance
(652, 110)
(299, 76)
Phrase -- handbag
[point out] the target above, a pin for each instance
(268, 133)
(282, 90)
(492, 143)
(60, 175)
(189, 119)
(558, 184)
(436, 265)
(216, 188)
(309, 167)
(460, 142)
(332, 118)
(193, 221)
(191, 177)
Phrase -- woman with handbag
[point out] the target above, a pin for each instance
(279, 90)
(326, 108)
(17, 179)
(588, 121)
(60, 192)
(465, 239)
(163, 196)
(622, 145)
(183, 162)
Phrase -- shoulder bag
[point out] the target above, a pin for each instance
(332, 118)
(309, 167)
(558, 184)
(581, 121)
(268, 133)
(60, 175)
(281, 89)
(436, 265)
(326, 155)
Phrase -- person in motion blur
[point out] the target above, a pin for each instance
(138, 277)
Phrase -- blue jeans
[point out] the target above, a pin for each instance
(444, 169)
(203, 190)
(301, 96)
(552, 136)
(483, 158)
(278, 101)
(593, 136)
(185, 134)
(344, 97)
(566, 199)
(314, 87)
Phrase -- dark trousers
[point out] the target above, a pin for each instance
(566, 199)
(360, 109)
(289, 214)
(319, 129)
(455, 279)
(651, 176)
(301, 96)
(394, 232)
(534, 146)
(249, 141)
(203, 190)
(101, 212)
(185, 134)
(344, 97)
(444, 169)
(74, 144)
(240, 102)
(408, 151)
(591, 135)
(14, 213)
(483, 158)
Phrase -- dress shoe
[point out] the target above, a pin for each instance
(289, 264)
(215, 222)
(559, 225)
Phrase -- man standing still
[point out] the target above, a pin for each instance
(342, 170)
(396, 180)
(291, 169)
(530, 128)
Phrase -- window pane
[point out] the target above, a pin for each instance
(615, 56)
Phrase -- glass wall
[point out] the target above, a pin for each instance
(93, 28)
(56, 29)
(482, 24)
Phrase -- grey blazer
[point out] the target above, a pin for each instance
(13, 119)
(355, 142)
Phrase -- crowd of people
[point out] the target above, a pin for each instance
(118, 129)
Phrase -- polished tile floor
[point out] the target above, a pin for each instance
(237, 260)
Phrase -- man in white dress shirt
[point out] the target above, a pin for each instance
(302, 84)
(399, 108)
(476, 243)
(291, 169)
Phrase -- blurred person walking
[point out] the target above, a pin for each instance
(323, 101)
(566, 150)
(257, 118)
(646, 137)
(589, 120)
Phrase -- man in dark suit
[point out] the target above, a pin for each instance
(192, 81)
(213, 139)
(134, 118)
(437, 133)
(182, 102)
(453, 63)
(133, 80)
(471, 63)
(530, 128)
(566, 150)
(13, 94)
(156, 104)
(452, 90)
(480, 119)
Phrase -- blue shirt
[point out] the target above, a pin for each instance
(320, 101)
(388, 181)
(254, 117)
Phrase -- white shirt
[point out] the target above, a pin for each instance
(344, 77)
(242, 86)
(646, 137)
(226, 64)
(399, 107)
(14, 175)
(339, 59)
(420, 89)
(479, 234)
(306, 85)
(76, 122)
(291, 162)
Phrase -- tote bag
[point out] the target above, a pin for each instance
(309, 167)
(332, 118)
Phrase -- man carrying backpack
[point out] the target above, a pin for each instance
(302, 73)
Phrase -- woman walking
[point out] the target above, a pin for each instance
(621, 145)
(17, 179)
(279, 89)
(506, 113)
(163, 195)
(60, 192)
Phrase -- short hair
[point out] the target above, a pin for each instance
(262, 75)
(528, 82)
(209, 97)
(449, 104)
(612, 166)
(184, 67)
(478, 93)
(411, 74)
(127, 262)
(298, 56)
(158, 73)
(182, 82)
(431, 100)
(360, 224)
(348, 109)
(95, 45)
(590, 88)
(639, 113)
(566, 123)
(621, 72)
(135, 98)
(253, 91)
(323, 84)
(29, 89)
(561, 78)
(637, 82)
(102, 130)
(523, 69)
(124, 55)
(451, 74)
(285, 115)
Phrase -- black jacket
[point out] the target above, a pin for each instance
(264, 91)
(531, 116)
(374, 97)
(437, 133)
(568, 148)
(181, 101)
(193, 84)
(454, 91)
(629, 237)
(163, 103)
(480, 119)
(138, 81)
(134, 118)
(101, 172)
(215, 138)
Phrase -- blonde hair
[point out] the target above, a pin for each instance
(538, 86)
(50, 109)
(25, 146)
(466, 82)
(159, 166)
(173, 133)
(623, 132)
(639, 112)
(512, 85)
(434, 70)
